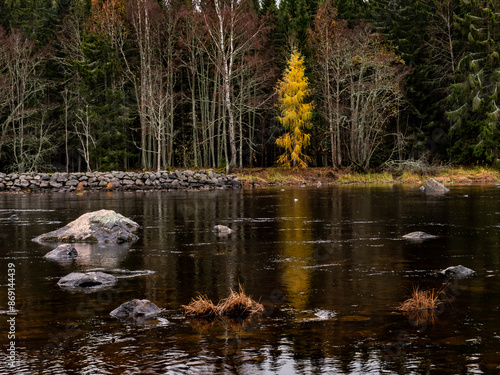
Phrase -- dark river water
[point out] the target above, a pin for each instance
(329, 264)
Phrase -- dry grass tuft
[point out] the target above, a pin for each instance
(421, 300)
(237, 305)
(200, 307)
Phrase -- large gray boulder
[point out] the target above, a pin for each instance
(104, 226)
(90, 281)
(458, 272)
(62, 252)
(136, 309)
(434, 187)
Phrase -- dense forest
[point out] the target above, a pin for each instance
(146, 84)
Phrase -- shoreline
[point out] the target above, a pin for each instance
(248, 178)
(262, 177)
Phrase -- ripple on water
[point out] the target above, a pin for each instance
(124, 273)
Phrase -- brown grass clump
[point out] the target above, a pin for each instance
(200, 307)
(238, 305)
(421, 300)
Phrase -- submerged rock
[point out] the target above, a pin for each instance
(135, 309)
(434, 187)
(418, 236)
(89, 281)
(62, 252)
(104, 226)
(458, 272)
(324, 314)
(222, 229)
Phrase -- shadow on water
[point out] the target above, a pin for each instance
(329, 264)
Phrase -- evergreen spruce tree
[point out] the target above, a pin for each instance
(474, 98)
(295, 113)
(349, 10)
(294, 20)
(36, 19)
(406, 25)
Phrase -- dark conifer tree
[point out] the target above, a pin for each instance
(474, 98)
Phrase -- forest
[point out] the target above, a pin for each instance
(89, 85)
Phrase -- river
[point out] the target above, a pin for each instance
(329, 264)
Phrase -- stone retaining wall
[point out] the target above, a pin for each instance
(165, 180)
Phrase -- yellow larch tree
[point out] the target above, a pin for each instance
(108, 17)
(295, 113)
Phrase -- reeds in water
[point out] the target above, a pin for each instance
(421, 300)
(200, 307)
(237, 305)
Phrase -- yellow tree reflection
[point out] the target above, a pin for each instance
(295, 237)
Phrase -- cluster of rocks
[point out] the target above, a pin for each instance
(104, 227)
(453, 272)
(164, 180)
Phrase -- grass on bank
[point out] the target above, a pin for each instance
(311, 176)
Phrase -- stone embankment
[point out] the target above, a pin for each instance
(94, 181)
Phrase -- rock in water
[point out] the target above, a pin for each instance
(222, 229)
(458, 272)
(62, 252)
(104, 226)
(136, 308)
(418, 236)
(14, 218)
(89, 281)
(434, 187)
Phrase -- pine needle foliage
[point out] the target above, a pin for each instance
(296, 114)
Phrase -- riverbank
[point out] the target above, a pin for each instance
(259, 177)
(246, 178)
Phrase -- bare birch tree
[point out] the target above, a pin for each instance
(24, 123)
(155, 34)
(233, 28)
(332, 54)
(375, 93)
(361, 86)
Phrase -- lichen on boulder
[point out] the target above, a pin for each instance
(103, 226)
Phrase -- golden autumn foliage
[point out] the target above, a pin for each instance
(107, 16)
(295, 113)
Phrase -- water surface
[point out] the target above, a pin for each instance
(329, 264)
